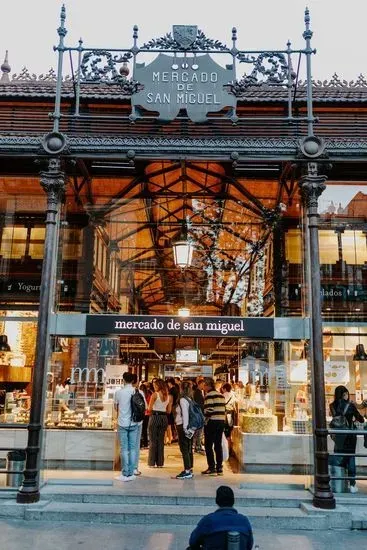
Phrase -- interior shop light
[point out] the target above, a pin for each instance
(183, 312)
(183, 248)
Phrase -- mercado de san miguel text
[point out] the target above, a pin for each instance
(182, 208)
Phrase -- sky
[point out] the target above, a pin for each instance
(28, 28)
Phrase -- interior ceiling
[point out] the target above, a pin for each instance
(144, 213)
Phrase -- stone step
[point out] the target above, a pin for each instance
(253, 499)
(260, 517)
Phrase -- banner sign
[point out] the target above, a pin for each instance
(169, 84)
(150, 325)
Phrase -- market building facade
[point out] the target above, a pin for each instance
(205, 215)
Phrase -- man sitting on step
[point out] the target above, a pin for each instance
(211, 531)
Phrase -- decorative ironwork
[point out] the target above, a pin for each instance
(201, 43)
(100, 66)
(269, 68)
(24, 75)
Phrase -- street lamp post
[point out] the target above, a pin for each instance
(312, 185)
(53, 183)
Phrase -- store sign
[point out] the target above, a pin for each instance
(197, 84)
(114, 374)
(150, 325)
(24, 287)
(298, 371)
(331, 293)
(336, 372)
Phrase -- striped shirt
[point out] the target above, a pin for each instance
(214, 406)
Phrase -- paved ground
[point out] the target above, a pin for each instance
(21, 535)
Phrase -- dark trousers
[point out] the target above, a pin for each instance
(213, 432)
(144, 432)
(185, 447)
(156, 428)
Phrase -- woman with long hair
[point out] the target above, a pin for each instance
(184, 439)
(346, 444)
(160, 406)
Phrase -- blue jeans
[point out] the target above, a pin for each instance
(128, 448)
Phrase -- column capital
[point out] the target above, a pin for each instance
(312, 185)
(53, 181)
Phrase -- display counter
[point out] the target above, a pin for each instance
(281, 452)
(67, 449)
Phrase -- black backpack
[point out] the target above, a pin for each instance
(137, 406)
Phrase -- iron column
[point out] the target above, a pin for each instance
(312, 185)
(53, 183)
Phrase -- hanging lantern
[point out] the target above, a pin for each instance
(182, 253)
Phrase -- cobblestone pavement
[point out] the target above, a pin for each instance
(22, 535)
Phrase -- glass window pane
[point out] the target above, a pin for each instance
(328, 247)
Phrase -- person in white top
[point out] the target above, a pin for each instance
(127, 429)
(160, 405)
(182, 421)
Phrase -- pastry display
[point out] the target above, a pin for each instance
(259, 423)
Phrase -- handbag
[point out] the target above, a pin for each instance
(225, 448)
(229, 413)
(339, 422)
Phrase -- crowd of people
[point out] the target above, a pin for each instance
(168, 406)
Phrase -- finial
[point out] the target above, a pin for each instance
(234, 33)
(307, 35)
(135, 33)
(5, 69)
(307, 15)
(62, 30)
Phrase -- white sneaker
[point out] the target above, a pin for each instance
(353, 489)
(122, 478)
(137, 472)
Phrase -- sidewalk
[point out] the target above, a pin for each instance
(22, 535)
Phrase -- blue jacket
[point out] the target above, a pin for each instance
(221, 521)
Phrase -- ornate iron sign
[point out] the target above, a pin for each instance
(170, 83)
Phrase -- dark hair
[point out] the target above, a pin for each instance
(209, 382)
(186, 389)
(224, 497)
(170, 380)
(227, 387)
(128, 377)
(339, 392)
(135, 378)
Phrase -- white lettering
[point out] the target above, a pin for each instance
(156, 77)
(149, 97)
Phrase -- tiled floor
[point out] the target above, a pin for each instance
(173, 465)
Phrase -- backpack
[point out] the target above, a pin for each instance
(339, 422)
(137, 406)
(196, 417)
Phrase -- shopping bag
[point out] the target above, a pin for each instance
(225, 448)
